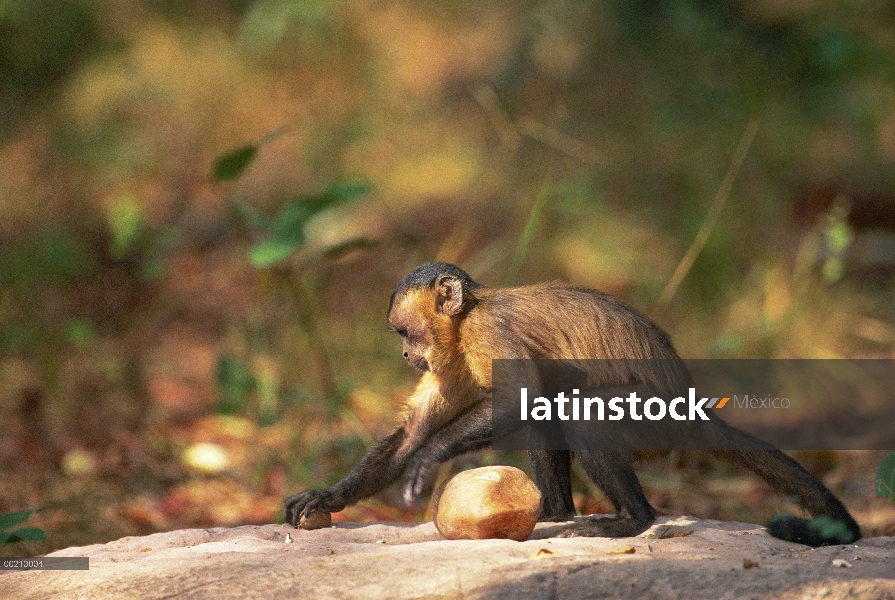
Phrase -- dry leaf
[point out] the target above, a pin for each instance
(545, 553)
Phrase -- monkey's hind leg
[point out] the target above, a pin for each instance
(552, 469)
(613, 473)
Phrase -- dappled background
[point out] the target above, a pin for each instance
(204, 207)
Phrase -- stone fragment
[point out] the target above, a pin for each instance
(316, 520)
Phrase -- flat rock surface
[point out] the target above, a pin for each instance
(676, 558)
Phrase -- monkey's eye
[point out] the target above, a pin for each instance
(399, 330)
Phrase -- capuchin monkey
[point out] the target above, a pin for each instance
(452, 328)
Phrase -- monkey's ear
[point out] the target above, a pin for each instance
(448, 295)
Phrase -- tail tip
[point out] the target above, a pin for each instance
(820, 531)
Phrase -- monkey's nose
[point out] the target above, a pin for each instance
(406, 355)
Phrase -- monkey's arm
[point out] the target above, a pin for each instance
(469, 431)
(381, 466)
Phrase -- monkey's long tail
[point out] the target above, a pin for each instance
(831, 523)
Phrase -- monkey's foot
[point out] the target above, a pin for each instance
(615, 527)
(302, 504)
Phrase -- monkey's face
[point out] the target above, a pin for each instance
(415, 352)
(406, 320)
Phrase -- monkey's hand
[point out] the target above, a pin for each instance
(308, 500)
(418, 477)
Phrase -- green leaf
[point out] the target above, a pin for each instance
(236, 382)
(885, 477)
(348, 191)
(272, 252)
(298, 211)
(292, 218)
(31, 534)
(833, 269)
(248, 214)
(839, 236)
(339, 250)
(287, 227)
(126, 223)
(79, 332)
(28, 534)
(12, 519)
(233, 164)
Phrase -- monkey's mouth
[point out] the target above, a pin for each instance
(421, 363)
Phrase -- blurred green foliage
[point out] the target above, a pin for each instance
(283, 235)
(24, 534)
(52, 257)
(285, 231)
(40, 44)
(233, 164)
(885, 478)
(48, 256)
(236, 383)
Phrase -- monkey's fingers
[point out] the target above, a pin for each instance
(425, 481)
(415, 485)
(304, 503)
(290, 516)
(409, 492)
(293, 509)
(310, 507)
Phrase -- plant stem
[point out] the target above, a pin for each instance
(711, 218)
(309, 323)
(528, 233)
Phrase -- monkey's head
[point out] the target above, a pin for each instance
(426, 308)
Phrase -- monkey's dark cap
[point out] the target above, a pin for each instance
(424, 276)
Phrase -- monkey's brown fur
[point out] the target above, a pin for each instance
(452, 328)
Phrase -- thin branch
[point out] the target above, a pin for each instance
(510, 137)
(512, 132)
(568, 145)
